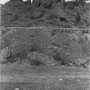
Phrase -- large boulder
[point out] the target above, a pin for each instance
(28, 2)
(46, 3)
(36, 3)
(4, 53)
(36, 15)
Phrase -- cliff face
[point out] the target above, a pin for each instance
(54, 13)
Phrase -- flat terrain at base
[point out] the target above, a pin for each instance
(22, 77)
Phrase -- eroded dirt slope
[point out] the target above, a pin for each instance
(45, 46)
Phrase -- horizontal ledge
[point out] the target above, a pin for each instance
(47, 27)
(71, 30)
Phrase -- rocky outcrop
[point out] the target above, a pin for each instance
(36, 3)
(44, 3)
(18, 13)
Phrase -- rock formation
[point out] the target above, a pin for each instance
(19, 13)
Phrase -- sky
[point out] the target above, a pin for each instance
(4, 1)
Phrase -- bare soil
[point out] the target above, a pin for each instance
(21, 77)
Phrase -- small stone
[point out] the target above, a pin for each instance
(16, 88)
(60, 79)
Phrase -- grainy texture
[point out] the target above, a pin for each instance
(51, 45)
(44, 78)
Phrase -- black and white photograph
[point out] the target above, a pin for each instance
(44, 44)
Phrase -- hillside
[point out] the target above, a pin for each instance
(48, 13)
(45, 46)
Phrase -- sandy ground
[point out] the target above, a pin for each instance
(44, 78)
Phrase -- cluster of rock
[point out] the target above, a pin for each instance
(54, 13)
(45, 47)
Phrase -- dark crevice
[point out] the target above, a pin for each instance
(62, 19)
(36, 62)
